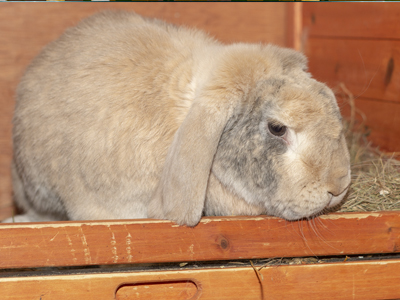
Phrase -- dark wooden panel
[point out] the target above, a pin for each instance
(146, 241)
(356, 20)
(6, 110)
(360, 280)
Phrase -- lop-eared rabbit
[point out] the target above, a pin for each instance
(126, 117)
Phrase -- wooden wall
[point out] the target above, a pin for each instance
(26, 27)
(358, 44)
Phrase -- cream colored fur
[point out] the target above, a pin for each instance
(127, 117)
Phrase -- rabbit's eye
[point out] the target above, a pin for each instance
(277, 129)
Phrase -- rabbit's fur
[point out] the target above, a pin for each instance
(129, 117)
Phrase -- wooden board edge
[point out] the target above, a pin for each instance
(215, 238)
(360, 280)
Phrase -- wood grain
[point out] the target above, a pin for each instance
(358, 280)
(27, 27)
(229, 238)
(352, 20)
(382, 119)
(366, 67)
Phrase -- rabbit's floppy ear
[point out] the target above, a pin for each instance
(181, 191)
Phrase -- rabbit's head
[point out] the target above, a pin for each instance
(268, 133)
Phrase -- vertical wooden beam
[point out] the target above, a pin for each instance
(294, 25)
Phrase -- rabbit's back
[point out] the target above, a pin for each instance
(96, 112)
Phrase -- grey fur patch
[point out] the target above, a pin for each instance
(323, 93)
(246, 158)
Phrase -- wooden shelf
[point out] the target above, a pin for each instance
(229, 238)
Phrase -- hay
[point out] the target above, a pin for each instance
(375, 175)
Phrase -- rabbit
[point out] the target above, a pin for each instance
(127, 117)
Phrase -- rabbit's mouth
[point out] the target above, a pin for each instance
(310, 207)
(336, 200)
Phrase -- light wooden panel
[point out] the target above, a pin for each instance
(26, 27)
(359, 280)
(229, 238)
(356, 20)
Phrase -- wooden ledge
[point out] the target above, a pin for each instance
(215, 238)
(360, 280)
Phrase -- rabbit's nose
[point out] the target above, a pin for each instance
(338, 188)
(339, 183)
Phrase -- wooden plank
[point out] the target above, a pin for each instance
(356, 20)
(359, 280)
(26, 27)
(366, 67)
(383, 120)
(229, 238)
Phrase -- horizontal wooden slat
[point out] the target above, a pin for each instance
(361, 280)
(368, 68)
(383, 120)
(150, 241)
(358, 20)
